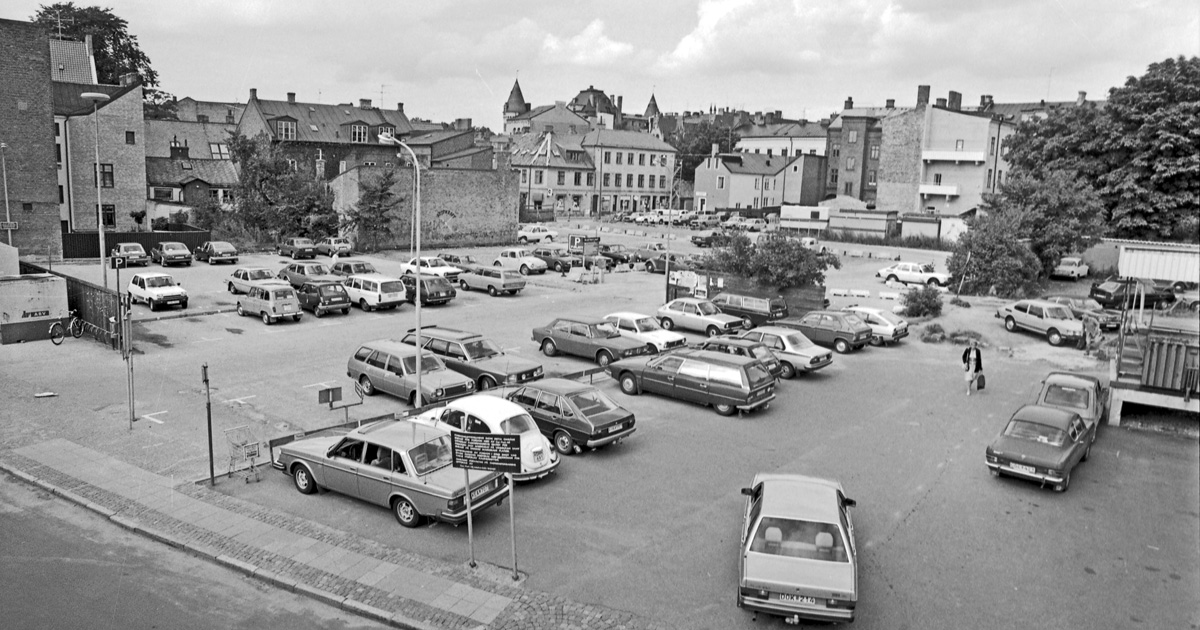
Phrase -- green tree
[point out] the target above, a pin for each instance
(694, 143)
(777, 262)
(989, 260)
(372, 217)
(1059, 214)
(1140, 151)
(138, 217)
(116, 51)
(159, 105)
(272, 198)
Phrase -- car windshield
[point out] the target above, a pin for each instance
(592, 402)
(1089, 304)
(435, 262)
(605, 329)
(259, 274)
(431, 455)
(133, 249)
(854, 320)
(316, 270)
(283, 294)
(762, 353)
(303, 242)
(222, 246)
(437, 283)
(520, 423)
(429, 363)
(391, 286)
(332, 289)
(794, 538)
(647, 324)
(707, 308)
(363, 268)
(481, 349)
(154, 282)
(1035, 432)
(615, 248)
(1058, 312)
(798, 340)
(173, 247)
(1062, 396)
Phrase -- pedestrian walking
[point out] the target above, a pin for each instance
(333, 260)
(972, 360)
(1091, 334)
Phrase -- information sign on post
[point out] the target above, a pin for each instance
(485, 451)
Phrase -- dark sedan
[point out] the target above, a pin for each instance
(557, 257)
(588, 337)
(1110, 319)
(617, 253)
(297, 248)
(833, 329)
(1112, 293)
(1041, 444)
(214, 252)
(322, 297)
(679, 262)
(297, 274)
(171, 253)
(573, 415)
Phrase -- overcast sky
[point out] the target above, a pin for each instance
(449, 59)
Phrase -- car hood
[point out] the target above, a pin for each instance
(723, 318)
(766, 571)
(439, 270)
(532, 261)
(1029, 452)
(661, 336)
(311, 448)
(507, 364)
(443, 379)
(172, 290)
(618, 342)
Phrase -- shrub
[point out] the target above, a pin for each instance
(926, 301)
(957, 301)
(159, 223)
(933, 333)
(965, 336)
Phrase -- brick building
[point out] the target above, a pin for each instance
(556, 173)
(27, 131)
(854, 146)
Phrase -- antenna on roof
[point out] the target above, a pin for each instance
(381, 86)
(60, 20)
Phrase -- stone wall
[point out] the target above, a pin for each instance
(900, 162)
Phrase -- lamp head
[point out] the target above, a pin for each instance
(95, 97)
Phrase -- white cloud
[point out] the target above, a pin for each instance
(591, 47)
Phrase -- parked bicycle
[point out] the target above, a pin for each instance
(58, 332)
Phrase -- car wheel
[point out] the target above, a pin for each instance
(629, 385)
(603, 358)
(841, 346)
(462, 284)
(667, 324)
(492, 291)
(1054, 337)
(651, 349)
(548, 348)
(267, 319)
(558, 267)
(522, 240)
(184, 305)
(712, 331)
(1066, 483)
(876, 340)
(524, 270)
(563, 443)
(405, 512)
(649, 267)
(725, 410)
(346, 311)
(232, 289)
(892, 278)
(934, 283)
(1010, 324)
(363, 305)
(786, 371)
(486, 382)
(240, 312)
(296, 317)
(303, 480)
(317, 312)
(368, 388)
(549, 239)
(153, 305)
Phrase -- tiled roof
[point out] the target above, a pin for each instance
(424, 126)
(68, 102)
(754, 163)
(536, 111)
(591, 102)
(783, 130)
(71, 61)
(652, 108)
(434, 137)
(624, 140)
(877, 113)
(169, 172)
(516, 100)
(194, 135)
(461, 154)
(534, 150)
(316, 122)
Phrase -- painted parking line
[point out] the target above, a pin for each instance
(240, 401)
(205, 339)
(151, 418)
(321, 384)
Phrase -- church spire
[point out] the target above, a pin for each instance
(652, 108)
(516, 105)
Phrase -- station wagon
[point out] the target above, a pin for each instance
(755, 309)
(574, 415)
(725, 382)
(475, 356)
(391, 367)
(493, 280)
(374, 291)
(270, 300)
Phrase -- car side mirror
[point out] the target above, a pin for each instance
(748, 491)
(849, 503)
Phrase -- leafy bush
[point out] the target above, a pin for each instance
(933, 333)
(957, 301)
(159, 223)
(892, 240)
(926, 301)
(989, 261)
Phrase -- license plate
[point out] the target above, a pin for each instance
(478, 492)
(537, 457)
(1024, 469)
(799, 599)
(392, 296)
(614, 429)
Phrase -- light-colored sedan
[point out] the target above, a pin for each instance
(1054, 321)
(536, 234)
(886, 326)
(1071, 267)
(374, 291)
(697, 315)
(914, 273)
(480, 413)
(647, 330)
(520, 259)
(335, 245)
(397, 464)
(243, 278)
(431, 266)
(796, 353)
(798, 559)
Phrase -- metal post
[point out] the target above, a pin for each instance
(389, 139)
(512, 524)
(470, 524)
(4, 167)
(127, 349)
(96, 98)
(212, 474)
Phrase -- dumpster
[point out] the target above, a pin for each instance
(29, 304)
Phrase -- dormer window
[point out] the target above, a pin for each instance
(389, 131)
(285, 129)
(358, 133)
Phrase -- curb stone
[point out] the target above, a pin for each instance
(320, 594)
(234, 563)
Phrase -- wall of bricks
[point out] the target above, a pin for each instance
(120, 115)
(900, 162)
(27, 128)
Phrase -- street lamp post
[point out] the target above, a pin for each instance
(4, 166)
(390, 139)
(96, 98)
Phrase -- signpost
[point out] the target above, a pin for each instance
(496, 453)
(330, 395)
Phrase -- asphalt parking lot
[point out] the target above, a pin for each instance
(650, 525)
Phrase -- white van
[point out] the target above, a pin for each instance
(372, 291)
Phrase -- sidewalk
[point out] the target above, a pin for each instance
(391, 586)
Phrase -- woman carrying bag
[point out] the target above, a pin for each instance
(972, 360)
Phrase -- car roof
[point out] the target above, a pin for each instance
(254, 269)
(627, 315)
(751, 293)
(1040, 303)
(582, 319)
(775, 330)
(486, 406)
(560, 386)
(151, 274)
(800, 496)
(692, 300)
(391, 346)
(171, 243)
(1048, 416)
(397, 433)
(1072, 379)
(732, 341)
(373, 276)
(321, 283)
(348, 261)
(446, 333)
(711, 356)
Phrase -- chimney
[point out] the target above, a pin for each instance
(620, 104)
(179, 152)
(941, 102)
(1082, 98)
(779, 114)
(254, 94)
(983, 101)
(363, 103)
(849, 103)
(955, 101)
(716, 148)
(129, 78)
(922, 95)
(400, 107)
(891, 103)
(291, 97)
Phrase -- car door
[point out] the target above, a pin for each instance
(580, 340)
(810, 325)
(659, 377)
(377, 474)
(341, 466)
(1035, 318)
(690, 317)
(691, 382)
(1080, 438)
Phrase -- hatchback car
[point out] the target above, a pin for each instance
(648, 251)
(757, 309)
(1077, 393)
(744, 348)
(1054, 321)
(797, 558)
(586, 337)
(678, 262)
(616, 252)
(323, 296)
(519, 259)
(271, 300)
(351, 267)
(171, 253)
(156, 290)
(1041, 444)
(331, 245)
(1071, 267)
(697, 315)
(796, 353)
(1109, 319)
(647, 330)
(397, 464)
(573, 415)
(391, 367)
(833, 329)
(494, 281)
(886, 326)
(242, 278)
(536, 234)
(914, 273)
(725, 382)
(298, 273)
(1132, 293)
(130, 254)
(214, 252)
(372, 292)
(557, 257)
(433, 290)
(497, 416)
(297, 248)
(476, 356)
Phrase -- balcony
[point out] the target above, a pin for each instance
(977, 157)
(938, 189)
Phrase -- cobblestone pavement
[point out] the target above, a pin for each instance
(396, 587)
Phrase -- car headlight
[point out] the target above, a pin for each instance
(470, 384)
(511, 378)
(439, 392)
(538, 371)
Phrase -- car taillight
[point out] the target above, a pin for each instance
(454, 504)
(755, 592)
(840, 603)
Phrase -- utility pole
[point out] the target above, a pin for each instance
(212, 474)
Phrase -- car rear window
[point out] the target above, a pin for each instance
(758, 374)
(520, 423)
(332, 289)
(1035, 432)
(795, 538)
(283, 294)
(797, 340)
(1061, 396)
(592, 402)
(777, 304)
(431, 455)
(391, 286)
(854, 320)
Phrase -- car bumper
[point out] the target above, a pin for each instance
(455, 518)
(787, 609)
(176, 260)
(758, 404)
(326, 308)
(609, 439)
(223, 258)
(539, 473)
(813, 367)
(1007, 469)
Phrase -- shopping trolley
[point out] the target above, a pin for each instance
(243, 451)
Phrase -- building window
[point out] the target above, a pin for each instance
(852, 137)
(720, 183)
(851, 163)
(562, 178)
(870, 178)
(662, 181)
(653, 159)
(958, 145)
(203, 118)
(106, 176)
(162, 194)
(61, 198)
(815, 215)
(292, 165)
(358, 133)
(219, 150)
(286, 129)
(987, 183)
(849, 188)
(663, 160)
(591, 179)
(607, 180)
(836, 150)
(992, 147)
(769, 151)
(388, 131)
(130, 137)
(108, 214)
(833, 176)
(630, 154)
(56, 130)
(641, 181)
(608, 157)
(937, 179)
(617, 180)
(641, 159)
(370, 163)
(214, 194)
(58, 154)
(783, 153)
(651, 180)
(999, 177)
(524, 175)
(620, 156)
(755, 183)
(629, 180)
(874, 151)
(538, 177)
(578, 178)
